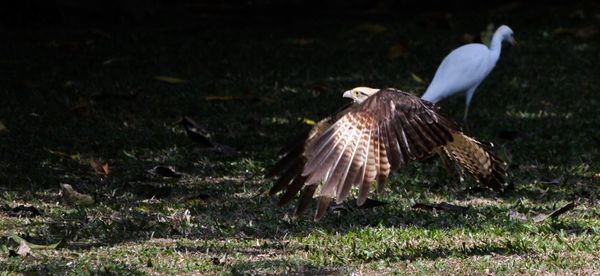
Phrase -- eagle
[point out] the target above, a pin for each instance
(380, 132)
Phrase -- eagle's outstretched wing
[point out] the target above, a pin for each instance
(367, 141)
(477, 160)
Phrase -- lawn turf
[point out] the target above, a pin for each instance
(76, 93)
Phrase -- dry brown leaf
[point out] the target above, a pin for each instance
(370, 28)
(170, 80)
(99, 168)
(74, 197)
(398, 50)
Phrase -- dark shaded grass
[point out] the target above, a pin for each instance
(545, 92)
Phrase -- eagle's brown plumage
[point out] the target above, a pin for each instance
(365, 142)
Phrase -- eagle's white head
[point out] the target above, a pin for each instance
(359, 94)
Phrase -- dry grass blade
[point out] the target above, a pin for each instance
(170, 80)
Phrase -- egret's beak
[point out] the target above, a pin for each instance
(347, 94)
(515, 42)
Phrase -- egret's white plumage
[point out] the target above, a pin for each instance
(466, 67)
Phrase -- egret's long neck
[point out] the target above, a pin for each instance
(496, 45)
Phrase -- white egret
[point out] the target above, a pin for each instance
(466, 67)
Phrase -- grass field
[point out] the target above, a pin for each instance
(71, 95)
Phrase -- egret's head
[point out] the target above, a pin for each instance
(507, 34)
(359, 94)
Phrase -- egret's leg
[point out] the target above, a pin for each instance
(469, 95)
(466, 127)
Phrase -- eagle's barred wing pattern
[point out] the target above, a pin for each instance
(391, 128)
(479, 162)
(365, 142)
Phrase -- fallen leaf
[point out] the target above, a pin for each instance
(99, 168)
(74, 197)
(516, 216)
(308, 121)
(24, 249)
(416, 77)
(440, 206)
(60, 153)
(165, 172)
(370, 28)
(554, 214)
(30, 245)
(371, 203)
(398, 50)
(196, 132)
(3, 127)
(170, 80)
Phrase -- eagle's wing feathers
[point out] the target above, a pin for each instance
(479, 162)
(354, 150)
(365, 142)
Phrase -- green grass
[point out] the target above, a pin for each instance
(217, 219)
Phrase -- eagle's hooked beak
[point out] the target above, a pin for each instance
(347, 94)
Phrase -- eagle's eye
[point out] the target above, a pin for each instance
(356, 93)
